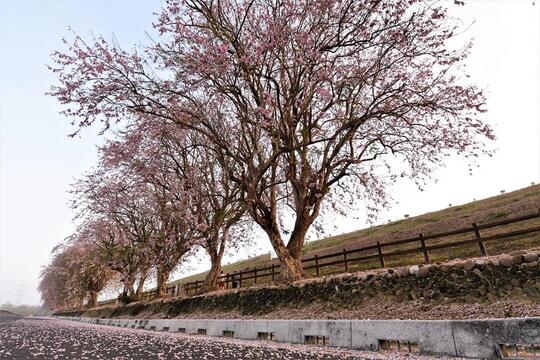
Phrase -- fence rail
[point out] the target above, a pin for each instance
(381, 252)
(147, 295)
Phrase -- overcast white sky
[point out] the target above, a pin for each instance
(38, 161)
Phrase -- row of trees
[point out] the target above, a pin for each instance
(153, 199)
(265, 112)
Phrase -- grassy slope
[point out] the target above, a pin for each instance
(499, 207)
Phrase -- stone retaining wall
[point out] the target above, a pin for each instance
(481, 280)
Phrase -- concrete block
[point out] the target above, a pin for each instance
(433, 337)
(280, 328)
(249, 329)
(338, 331)
(157, 324)
(481, 338)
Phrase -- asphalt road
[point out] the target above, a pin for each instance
(32, 338)
(7, 317)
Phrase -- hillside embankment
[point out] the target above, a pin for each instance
(495, 208)
(500, 286)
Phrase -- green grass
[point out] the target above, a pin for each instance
(516, 203)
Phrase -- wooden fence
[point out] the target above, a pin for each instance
(379, 252)
(382, 251)
(147, 295)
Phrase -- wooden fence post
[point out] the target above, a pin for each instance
(240, 282)
(424, 249)
(345, 260)
(273, 272)
(381, 257)
(227, 281)
(255, 275)
(317, 265)
(479, 239)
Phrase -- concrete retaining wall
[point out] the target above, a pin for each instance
(466, 338)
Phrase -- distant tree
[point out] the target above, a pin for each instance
(122, 225)
(76, 273)
(119, 253)
(88, 268)
(305, 103)
(54, 282)
(162, 191)
(188, 158)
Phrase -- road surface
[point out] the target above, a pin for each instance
(46, 338)
(6, 317)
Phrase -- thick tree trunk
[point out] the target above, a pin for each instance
(92, 299)
(128, 290)
(162, 278)
(140, 286)
(216, 255)
(291, 268)
(128, 285)
(79, 303)
(291, 257)
(211, 280)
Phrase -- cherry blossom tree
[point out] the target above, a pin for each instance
(110, 207)
(219, 208)
(187, 158)
(167, 187)
(53, 283)
(175, 236)
(120, 252)
(76, 272)
(89, 270)
(302, 101)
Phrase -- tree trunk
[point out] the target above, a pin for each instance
(290, 255)
(291, 266)
(291, 269)
(140, 286)
(162, 278)
(79, 303)
(216, 255)
(211, 280)
(92, 299)
(128, 285)
(128, 290)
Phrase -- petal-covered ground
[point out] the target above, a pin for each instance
(61, 339)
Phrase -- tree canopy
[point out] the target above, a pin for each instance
(272, 112)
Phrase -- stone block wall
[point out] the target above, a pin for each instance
(514, 276)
